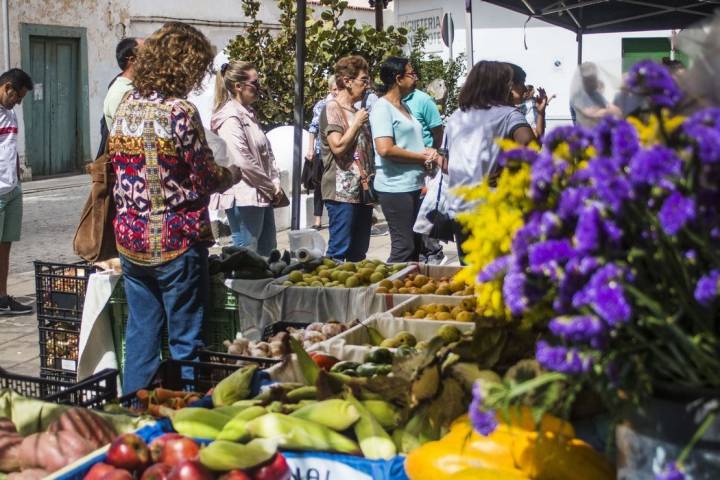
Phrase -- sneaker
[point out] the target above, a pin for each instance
(317, 227)
(10, 306)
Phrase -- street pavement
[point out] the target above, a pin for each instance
(51, 210)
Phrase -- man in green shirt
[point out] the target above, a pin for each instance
(425, 110)
(125, 53)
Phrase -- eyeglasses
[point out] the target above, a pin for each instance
(364, 81)
(254, 83)
(411, 74)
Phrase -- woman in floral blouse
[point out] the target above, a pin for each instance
(165, 175)
(347, 155)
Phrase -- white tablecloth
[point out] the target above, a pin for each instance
(260, 303)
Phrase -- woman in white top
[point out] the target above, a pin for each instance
(486, 114)
(248, 203)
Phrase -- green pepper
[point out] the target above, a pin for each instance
(379, 355)
(344, 367)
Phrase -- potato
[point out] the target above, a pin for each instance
(96, 430)
(29, 474)
(9, 451)
(52, 451)
(6, 425)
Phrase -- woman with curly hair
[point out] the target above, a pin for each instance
(249, 203)
(165, 175)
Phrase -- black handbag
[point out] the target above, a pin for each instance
(368, 194)
(442, 229)
(306, 177)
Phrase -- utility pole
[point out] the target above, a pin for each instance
(299, 112)
(379, 6)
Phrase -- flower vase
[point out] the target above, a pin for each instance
(656, 434)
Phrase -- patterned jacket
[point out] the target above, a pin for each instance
(165, 174)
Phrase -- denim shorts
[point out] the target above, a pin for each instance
(11, 211)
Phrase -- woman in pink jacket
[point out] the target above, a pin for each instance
(248, 203)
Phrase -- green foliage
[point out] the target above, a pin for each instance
(432, 67)
(327, 40)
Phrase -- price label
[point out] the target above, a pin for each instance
(308, 468)
(68, 364)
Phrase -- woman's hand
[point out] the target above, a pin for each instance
(542, 100)
(361, 118)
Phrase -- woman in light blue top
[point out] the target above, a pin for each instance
(401, 158)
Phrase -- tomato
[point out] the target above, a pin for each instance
(323, 361)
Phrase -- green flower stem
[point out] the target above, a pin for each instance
(709, 419)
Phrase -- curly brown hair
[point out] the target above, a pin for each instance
(173, 61)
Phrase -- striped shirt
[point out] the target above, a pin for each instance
(8, 150)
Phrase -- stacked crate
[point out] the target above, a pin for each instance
(60, 292)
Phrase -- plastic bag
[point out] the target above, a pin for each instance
(435, 201)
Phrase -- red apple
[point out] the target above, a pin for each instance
(130, 452)
(190, 470)
(118, 474)
(157, 445)
(276, 469)
(98, 470)
(159, 471)
(236, 475)
(177, 450)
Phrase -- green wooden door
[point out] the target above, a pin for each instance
(636, 49)
(53, 144)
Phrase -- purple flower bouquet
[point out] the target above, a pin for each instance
(624, 252)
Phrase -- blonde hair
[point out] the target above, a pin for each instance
(173, 61)
(331, 81)
(230, 73)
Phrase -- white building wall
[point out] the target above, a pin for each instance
(550, 58)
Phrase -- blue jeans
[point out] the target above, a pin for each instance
(349, 225)
(254, 228)
(176, 291)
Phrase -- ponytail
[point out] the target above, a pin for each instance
(230, 73)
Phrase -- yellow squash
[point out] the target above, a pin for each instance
(511, 452)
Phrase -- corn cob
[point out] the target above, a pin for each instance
(334, 413)
(299, 434)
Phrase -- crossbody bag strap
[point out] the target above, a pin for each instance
(447, 159)
(363, 175)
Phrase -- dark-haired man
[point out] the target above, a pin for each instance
(125, 53)
(14, 85)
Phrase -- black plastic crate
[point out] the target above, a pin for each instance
(58, 375)
(169, 375)
(222, 320)
(93, 392)
(228, 358)
(58, 346)
(277, 327)
(60, 289)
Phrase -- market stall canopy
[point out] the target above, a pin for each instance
(605, 16)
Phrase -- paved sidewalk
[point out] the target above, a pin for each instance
(50, 239)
